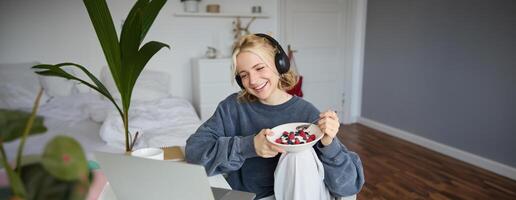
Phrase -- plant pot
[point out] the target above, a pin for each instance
(191, 6)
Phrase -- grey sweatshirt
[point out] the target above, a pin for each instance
(224, 144)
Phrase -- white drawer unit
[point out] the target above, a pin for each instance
(212, 83)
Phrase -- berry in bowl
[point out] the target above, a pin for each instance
(291, 139)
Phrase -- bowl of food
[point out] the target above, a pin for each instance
(291, 138)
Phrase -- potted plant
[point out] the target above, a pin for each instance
(126, 57)
(61, 172)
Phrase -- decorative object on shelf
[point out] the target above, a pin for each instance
(211, 53)
(238, 30)
(213, 8)
(222, 14)
(191, 5)
(256, 9)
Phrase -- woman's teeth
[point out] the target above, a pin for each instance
(261, 86)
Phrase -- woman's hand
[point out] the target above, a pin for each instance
(263, 147)
(329, 125)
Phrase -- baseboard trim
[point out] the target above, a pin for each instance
(467, 157)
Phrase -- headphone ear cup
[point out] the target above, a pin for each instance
(281, 59)
(239, 81)
(282, 62)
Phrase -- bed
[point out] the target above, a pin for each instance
(77, 111)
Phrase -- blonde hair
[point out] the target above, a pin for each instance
(263, 48)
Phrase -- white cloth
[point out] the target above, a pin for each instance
(75, 108)
(164, 122)
(300, 176)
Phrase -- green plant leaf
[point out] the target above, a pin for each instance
(64, 158)
(144, 55)
(106, 33)
(28, 127)
(55, 70)
(16, 185)
(138, 22)
(129, 43)
(150, 12)
(130, 36)
(12, 124)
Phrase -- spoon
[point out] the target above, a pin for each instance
(305, 126)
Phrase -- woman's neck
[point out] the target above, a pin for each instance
(276, 98)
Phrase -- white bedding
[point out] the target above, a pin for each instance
(164, 122)
(97, 126)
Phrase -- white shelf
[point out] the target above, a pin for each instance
(233, 15)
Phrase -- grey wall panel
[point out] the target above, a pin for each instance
(445, 70)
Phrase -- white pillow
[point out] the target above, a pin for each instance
(57, 86)
(81, 88)
(19, 86)
(151, 85)
(16, 97)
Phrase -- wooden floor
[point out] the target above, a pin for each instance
(396, 169)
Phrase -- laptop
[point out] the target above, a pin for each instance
(140, 178)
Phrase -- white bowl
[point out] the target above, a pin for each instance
(278, 131)
(152, 153)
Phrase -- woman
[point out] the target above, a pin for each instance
(233, 141)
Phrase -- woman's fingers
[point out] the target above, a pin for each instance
(268, 132)
(325, 123)
(329, 125)
(276, 148)
(272, 151)
(263, 147)
(329, 114)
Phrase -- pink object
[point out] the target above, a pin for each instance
(99, 181)
(3, 179)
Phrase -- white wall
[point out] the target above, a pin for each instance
(54, 31)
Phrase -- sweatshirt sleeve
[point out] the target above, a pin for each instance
(215, 146)
(343, 173)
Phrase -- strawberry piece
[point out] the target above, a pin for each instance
(297, 141)
(291, 136)
(311, 138)
(278, 141)
(302, 134)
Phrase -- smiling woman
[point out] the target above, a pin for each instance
(234, 140)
